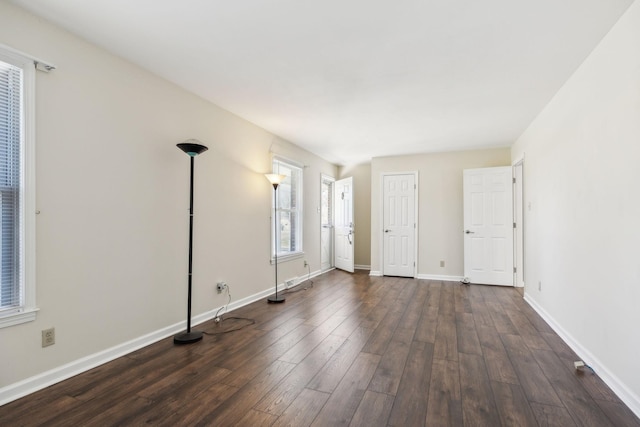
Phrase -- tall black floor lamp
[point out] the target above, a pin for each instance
(192, 147)
(275, 180)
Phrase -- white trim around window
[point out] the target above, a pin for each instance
(289, 211)
(26, 310)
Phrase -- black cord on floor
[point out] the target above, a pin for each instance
(249, 323)
(219, 318)
(298, 286)
(224, 306)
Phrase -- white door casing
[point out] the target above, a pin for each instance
(488, 226)
(343, 224)
(399, 225)
(518, 211)
(326, 223)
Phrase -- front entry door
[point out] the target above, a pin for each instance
(344, 227)
(399, 222)
(488, 226)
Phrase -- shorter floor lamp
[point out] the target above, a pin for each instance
(275, 180)
(192, 147)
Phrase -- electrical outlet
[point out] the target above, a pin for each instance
(441, 263)
(306, 263)
(221, 286)
(48, 337)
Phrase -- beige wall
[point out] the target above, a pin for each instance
(112, 189)
(581, 179)
(440, 205)
(362, 211)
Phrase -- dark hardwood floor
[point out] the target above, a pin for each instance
(351, 350)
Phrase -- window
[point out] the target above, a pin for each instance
(326, 202)
(17, 195)
(289, 210)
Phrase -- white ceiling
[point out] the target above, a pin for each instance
(354, 79)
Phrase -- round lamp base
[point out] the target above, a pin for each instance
(187, 337)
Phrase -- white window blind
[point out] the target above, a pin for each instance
(11, 136)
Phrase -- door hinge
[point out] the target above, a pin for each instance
(342, 195)
(514, 225)
(514, 180)
(415, 186)
(514, 269)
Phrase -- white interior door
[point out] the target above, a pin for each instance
(399, 222)
(326, 223)
(488, 226)
(343, 224)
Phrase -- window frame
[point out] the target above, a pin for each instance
(27, 310)
(276, 161)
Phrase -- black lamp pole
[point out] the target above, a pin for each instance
(275, 180)
(192, 147)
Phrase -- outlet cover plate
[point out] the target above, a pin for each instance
(48, 337)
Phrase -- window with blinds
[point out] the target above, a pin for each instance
(11, 83)
(289, 210)
(17, 187)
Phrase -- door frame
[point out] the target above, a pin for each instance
(518, 231)
(416, 175)
(323, 179)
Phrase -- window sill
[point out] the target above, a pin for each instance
(17, 318)
(288, 257)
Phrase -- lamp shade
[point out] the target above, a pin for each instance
(192, 147)
(274, 178)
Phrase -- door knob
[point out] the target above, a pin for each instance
(469, 232)
(386, 231)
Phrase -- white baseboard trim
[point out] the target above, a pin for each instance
(315, 273)
(301, 279)
(362, 267)
(38, 382)
(439, 277)
(619, 388)
(375, 273)
(27, 386)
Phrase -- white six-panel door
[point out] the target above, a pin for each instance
(488, 226)
(344, 227)
(399, 225)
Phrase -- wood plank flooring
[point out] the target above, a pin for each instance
(351, 350)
